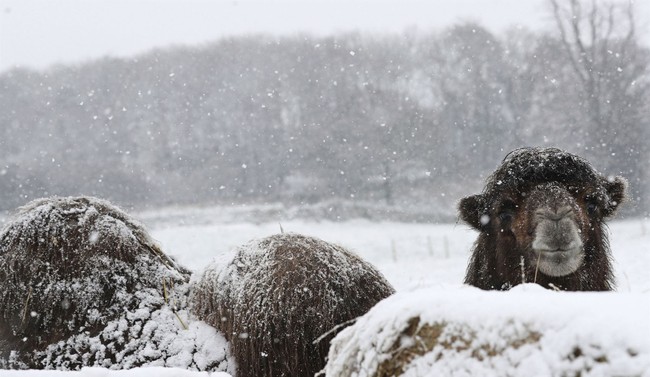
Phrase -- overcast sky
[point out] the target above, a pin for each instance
(39, 33)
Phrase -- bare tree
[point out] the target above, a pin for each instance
(600, 43)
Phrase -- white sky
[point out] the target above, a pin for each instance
(39, 33)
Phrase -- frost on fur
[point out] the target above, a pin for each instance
(277, 297)
(83, 284)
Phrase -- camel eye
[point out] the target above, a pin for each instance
(592, 208)
(506, 216)
(507, 211)
(591, 205)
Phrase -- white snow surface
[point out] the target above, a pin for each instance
(423, 262)
(495, 333)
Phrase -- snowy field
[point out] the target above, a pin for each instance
(411, 256)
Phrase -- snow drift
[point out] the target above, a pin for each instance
(525, 331)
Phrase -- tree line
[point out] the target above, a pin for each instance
(411, 120)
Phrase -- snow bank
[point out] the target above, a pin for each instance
(526, 331)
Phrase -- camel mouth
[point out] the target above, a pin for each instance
(559, 251)
(558, 262)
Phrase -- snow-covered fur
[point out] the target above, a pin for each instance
(278, 297)
(83, 284)
(541, 219)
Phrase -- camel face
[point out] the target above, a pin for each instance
(541, 219)
(554, 230)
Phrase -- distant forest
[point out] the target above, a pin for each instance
(414, 120)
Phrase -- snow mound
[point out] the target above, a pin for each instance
(469, 332)
(275, 297)
(83, 284)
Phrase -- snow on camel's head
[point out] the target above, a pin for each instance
(540, 218)
(69, 266)
(278, 297)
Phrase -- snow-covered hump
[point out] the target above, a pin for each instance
(85, 285)
(277, 299)
(84, 223)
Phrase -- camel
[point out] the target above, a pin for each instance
(71, 269)
(281, 299)
(541, 218)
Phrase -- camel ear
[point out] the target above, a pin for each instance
(471, 211)
(616, 188)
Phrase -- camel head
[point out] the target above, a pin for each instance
(540, 217)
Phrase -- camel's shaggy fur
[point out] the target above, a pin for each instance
(70, 266)
(279, 297)
(541, 219)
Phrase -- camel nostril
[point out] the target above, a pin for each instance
(565, 211)
(556, 214)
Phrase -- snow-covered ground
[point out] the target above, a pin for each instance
(411, 256)
(527, 331)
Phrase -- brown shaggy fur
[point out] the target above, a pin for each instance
(279, 295)
(529, 181)
(68, 266)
